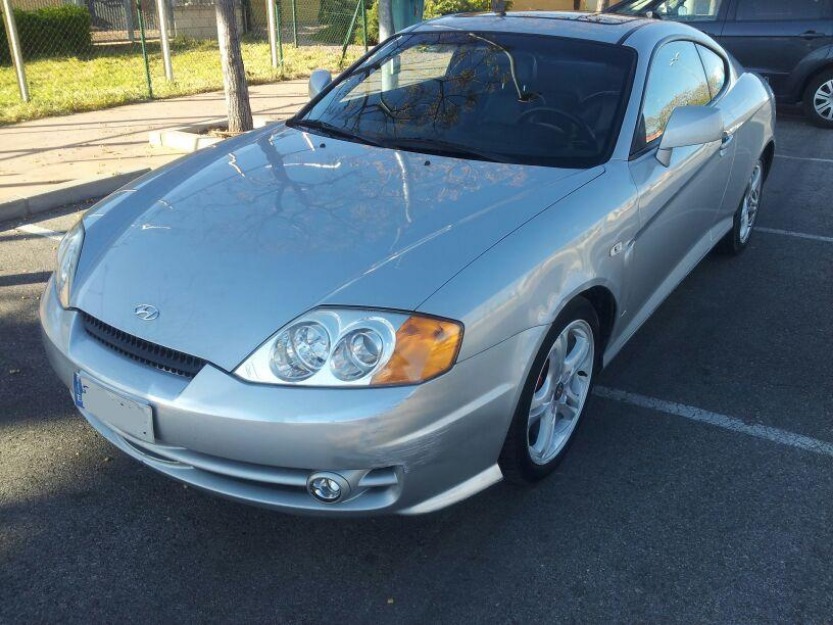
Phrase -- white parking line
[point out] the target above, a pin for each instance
(41, 232)
(804, 158)
(797, 235)
(775, 435)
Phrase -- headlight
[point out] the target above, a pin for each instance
(69, 251)
(350, 347)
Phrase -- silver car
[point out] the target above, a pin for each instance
(403, 294)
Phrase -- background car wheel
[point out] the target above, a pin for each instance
(554, 396)
(818, 100)
(738, 237)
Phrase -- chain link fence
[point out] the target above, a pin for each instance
(90, 54)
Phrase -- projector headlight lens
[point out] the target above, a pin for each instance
(330, 347)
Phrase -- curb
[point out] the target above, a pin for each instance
(187, 139)
(66, 193)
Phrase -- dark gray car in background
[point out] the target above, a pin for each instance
(788, 42)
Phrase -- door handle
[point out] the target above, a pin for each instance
(728, 137)
(812, 34)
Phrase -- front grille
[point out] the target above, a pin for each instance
(145, 352)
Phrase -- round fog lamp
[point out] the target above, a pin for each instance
(327, 488)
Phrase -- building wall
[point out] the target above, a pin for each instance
(197, 21)
(31, 5)
(552, 5)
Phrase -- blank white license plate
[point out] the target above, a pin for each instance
(123, 413)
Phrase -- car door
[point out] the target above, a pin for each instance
(771, 37)
(677, 203)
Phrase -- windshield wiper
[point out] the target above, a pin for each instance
(445, 148)
(333, 131)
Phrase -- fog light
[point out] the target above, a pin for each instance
(327, 487)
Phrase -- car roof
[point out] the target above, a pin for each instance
(601, 27)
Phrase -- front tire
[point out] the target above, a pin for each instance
(818, 100)
(738, 237)
(554, 397)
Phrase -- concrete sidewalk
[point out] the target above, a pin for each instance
(44, 154)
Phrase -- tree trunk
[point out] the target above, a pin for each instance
(234, 75)
(385, 20)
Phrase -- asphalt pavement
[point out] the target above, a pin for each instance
(700, 489)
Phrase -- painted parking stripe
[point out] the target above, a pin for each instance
(805, 158)
(775, 435)
(41, 232)
(797, 235)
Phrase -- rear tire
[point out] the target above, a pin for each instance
(738, 237)
(555, 394)
(818, 100)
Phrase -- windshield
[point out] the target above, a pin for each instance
(504, 97)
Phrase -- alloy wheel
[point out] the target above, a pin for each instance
(560, 392)
(751, 202)
(823, 100)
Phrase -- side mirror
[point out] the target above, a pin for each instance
(690, 125)
(318, 80)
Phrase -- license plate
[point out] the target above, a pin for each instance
(123, 413)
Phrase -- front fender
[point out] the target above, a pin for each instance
(525, 280)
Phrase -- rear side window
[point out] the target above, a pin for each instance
(676, 78)
(715, 68)
(775, 10)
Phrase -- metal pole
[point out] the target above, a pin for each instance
(349, 33)
(295, 22)
(279, 21)
(162, 19)
(273, 45)
(364, 23)
(144, 47)
(14, 48)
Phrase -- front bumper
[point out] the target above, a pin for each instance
(405, 450)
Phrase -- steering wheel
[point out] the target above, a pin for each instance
(599, 99)
(558, 126)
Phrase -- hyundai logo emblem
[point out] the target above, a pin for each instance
(146, 312)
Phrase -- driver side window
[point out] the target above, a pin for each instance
(676, 78)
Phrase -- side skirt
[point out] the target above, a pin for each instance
(686, 266)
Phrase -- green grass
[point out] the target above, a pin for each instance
(116, 75)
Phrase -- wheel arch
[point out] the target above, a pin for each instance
(604, 303)
(811, 76)
(768, 157)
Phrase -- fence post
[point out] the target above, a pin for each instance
(295, 22)
(14, 48)
(144, 47)
(279, 21)
(162, 19)
(128, 20)
(364, 23)
(273, 46)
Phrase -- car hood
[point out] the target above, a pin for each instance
(234, 242)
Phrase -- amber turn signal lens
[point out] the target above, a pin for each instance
(425, 348)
